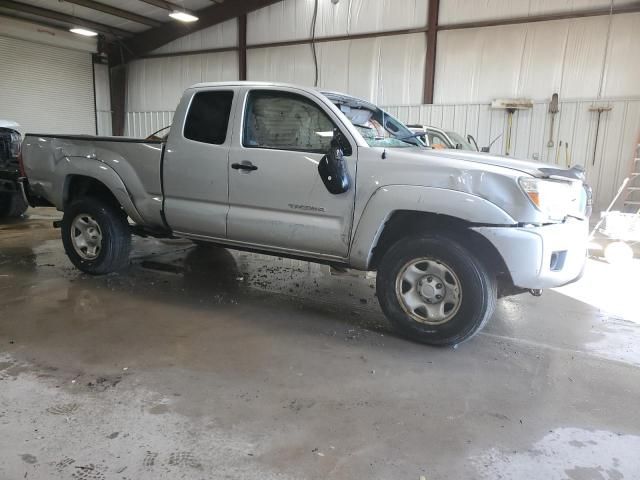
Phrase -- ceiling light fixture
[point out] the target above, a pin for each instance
(183, 16)
(83, 31)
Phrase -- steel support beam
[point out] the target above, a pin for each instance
(598, 12)
(63, 17)
(432, 41)
(116, 12)
(287, 43)
(242, 47)
(118, 88)
(144, 42)
(164, 4)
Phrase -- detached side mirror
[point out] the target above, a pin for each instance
(333, 168)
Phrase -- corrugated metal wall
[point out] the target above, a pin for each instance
(218, 36)
(537, 59)
(383, 70)
(582, 59)
(291, 19)
(156, 84)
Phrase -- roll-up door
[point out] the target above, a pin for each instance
(46, 89)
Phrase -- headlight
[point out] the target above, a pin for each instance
(556, 199)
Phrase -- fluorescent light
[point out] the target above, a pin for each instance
(83, 31)
(183, 16)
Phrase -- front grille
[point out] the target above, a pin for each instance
(9, 147)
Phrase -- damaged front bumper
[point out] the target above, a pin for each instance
(540, 257)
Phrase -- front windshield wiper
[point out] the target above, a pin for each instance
(413, 135)
(409, 137)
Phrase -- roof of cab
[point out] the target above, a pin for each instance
(245, 83)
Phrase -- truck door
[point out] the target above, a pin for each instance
(277, 198)
(195, 181)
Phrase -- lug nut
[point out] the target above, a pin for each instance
(429, 279)
(439, 285)
(438, 297)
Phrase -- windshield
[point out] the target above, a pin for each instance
(458, 139)
(378, 128)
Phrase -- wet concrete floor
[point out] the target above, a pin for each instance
(202, 363)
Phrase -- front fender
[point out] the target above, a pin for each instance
(94, 169)
(389, 199)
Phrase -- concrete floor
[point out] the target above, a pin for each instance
(205, 364)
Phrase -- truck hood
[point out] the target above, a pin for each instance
(536, 169)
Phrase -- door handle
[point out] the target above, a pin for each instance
(244, 165)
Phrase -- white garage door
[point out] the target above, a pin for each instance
(46, 89)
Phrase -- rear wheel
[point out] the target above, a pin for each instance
(434, 290)
(12, 205)
(96, 236)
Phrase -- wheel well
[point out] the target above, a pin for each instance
(79, 186)
(404, 223)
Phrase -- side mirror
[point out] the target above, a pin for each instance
(472, 140)
(458, 146)
(333, 168)
(485, 149)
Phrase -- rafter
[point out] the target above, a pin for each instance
(116, 12)
(164, 4)
(63, 17)
(144, 42)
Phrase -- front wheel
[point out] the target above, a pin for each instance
(96, 236)
(434, 290)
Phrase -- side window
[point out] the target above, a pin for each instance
(285, 121)
(208, 117)
(436, 141)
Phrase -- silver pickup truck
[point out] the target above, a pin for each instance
(326, 177)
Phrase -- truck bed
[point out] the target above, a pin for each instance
(51, 160)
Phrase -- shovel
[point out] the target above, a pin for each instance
(553, 109)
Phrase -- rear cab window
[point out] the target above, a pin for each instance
(208, 117)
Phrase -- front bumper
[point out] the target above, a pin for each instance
(542, 257)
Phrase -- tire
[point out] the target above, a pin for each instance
(103, 224)
(12, 205)
(468, 293)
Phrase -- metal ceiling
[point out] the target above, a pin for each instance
(112, 18)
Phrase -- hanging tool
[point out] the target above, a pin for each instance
(558, 151)
(567, 157)
(598, 109)
(511, 105)
(553, 110)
